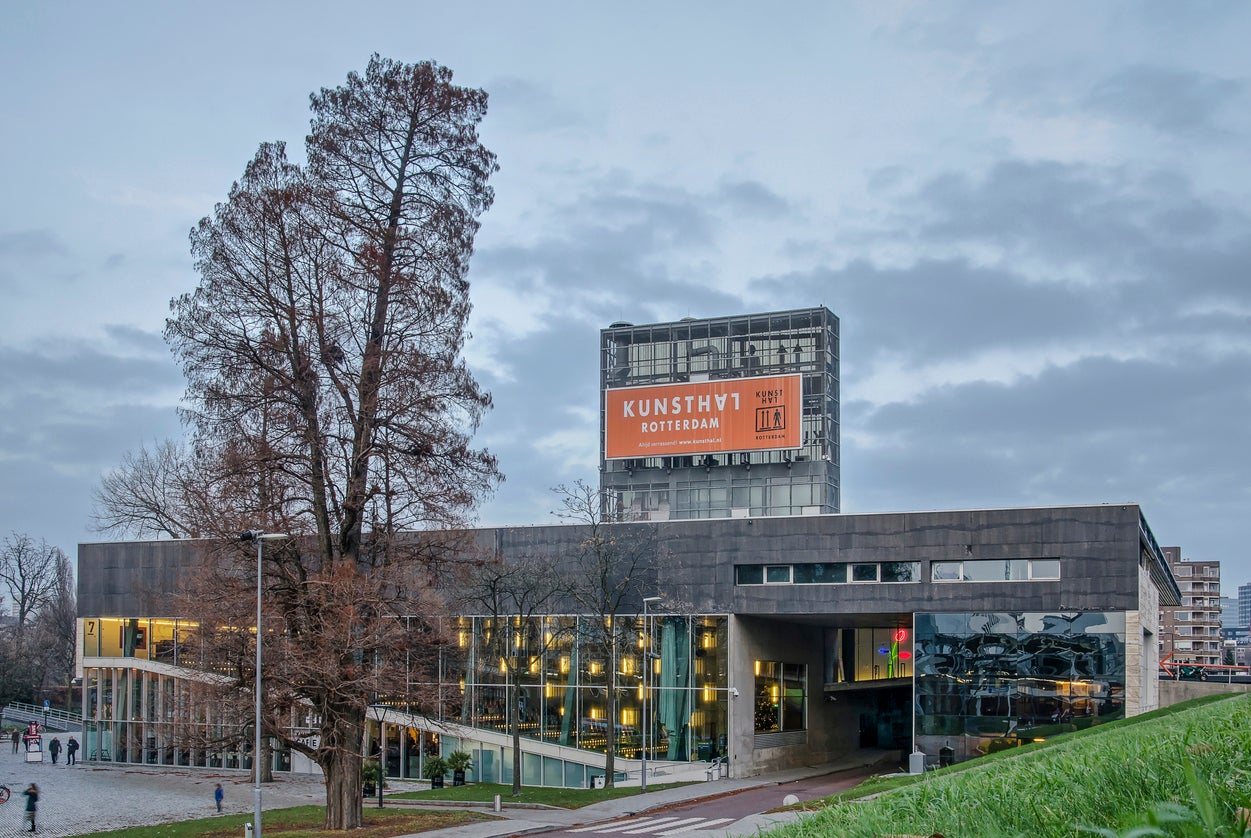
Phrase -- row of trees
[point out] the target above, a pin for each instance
(37, 622)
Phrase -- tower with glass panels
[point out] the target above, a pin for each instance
(722, 417)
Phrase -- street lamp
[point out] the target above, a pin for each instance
(259, 536)
(647, 665)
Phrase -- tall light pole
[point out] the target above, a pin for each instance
(647, 665)
(259, 537)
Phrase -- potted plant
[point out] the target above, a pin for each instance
(371, 777)
(459, 762)
(436, 767)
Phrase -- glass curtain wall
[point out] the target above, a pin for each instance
(987, 681)
(562, 675)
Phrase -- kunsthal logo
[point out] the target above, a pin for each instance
(689, 407)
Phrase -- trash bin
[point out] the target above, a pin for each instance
(916, 762)
(946, 756)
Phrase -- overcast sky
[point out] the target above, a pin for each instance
(1031, 219)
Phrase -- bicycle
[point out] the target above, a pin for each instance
(4, 793)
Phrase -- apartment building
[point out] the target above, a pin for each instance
(1191, 632)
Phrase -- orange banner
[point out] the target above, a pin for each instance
(732, 414)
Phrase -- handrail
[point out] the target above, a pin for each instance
(20, 711)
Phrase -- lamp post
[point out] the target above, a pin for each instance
(259, 537)
(647, 665)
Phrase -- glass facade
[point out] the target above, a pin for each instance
(559, 682)
(565, 675)
(986, 681)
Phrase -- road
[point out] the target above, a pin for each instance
(718, 815)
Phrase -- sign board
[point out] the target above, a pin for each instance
(757, 413)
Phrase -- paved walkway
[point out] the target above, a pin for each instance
(77, 800)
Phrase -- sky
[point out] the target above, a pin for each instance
(1030, 218)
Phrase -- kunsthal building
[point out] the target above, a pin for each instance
(778, 631)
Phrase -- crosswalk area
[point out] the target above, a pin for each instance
(659, 826)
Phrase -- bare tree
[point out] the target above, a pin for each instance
(514, 596)
(152, 493)
(328, 398)
(613, 567)
(29, 573)
(38, 581)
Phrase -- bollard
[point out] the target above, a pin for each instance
(247, 830)
(497, 802)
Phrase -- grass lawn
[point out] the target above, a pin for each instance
(304, 822)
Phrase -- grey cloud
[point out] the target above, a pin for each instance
(753, 199)
(530, 106)
(1168, 100)
(939, 309)
(82, 370)
(31, 244)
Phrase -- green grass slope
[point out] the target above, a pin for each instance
(1183, 771)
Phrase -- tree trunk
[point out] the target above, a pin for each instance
(267, 760)
(344, 804)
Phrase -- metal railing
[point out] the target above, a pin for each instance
(50, 717)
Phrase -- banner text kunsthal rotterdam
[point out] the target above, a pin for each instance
(739, 414)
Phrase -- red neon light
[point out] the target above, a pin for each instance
(901, 635)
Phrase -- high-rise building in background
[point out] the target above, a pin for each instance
(1191, 631)
(724, 417)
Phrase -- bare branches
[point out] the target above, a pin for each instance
(149, 494)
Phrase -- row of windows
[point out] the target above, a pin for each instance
(833, 573)
(827, 574)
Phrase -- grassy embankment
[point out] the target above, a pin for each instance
(1181, 771)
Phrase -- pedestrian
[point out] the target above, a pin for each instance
(71, 748)
(16, 738)
(54, 748)
(218, 794)
(32, 804)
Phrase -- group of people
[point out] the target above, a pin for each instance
(31, 738)
(54, 747)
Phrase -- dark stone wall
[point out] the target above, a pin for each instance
(134, 578)
(1098, 549)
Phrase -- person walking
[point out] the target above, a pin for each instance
(16, 738)
(54, 748)
(218, 794)
(32, 804)
(71, 748)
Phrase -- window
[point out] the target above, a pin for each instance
(1044, 569)
(777, 574)
(864, 573)
(781, 696)
(901, 571)
(995, 570)
(816, 574)
(749, 574)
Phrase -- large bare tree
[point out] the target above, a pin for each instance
(328, 398)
